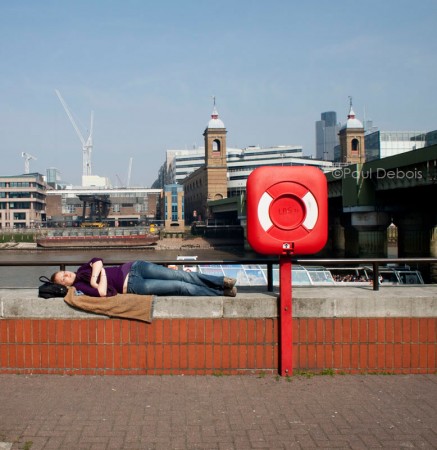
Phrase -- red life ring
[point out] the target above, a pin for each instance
(280, 212)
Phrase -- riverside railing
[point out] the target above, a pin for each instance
(376, 263)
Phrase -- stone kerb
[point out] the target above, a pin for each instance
(324, 302)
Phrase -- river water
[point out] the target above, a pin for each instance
(28, 277)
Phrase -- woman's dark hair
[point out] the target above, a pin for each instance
(53, 277)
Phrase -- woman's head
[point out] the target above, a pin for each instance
(64, 277)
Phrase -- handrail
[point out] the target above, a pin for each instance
(376, 262)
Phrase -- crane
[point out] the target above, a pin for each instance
(128, 176)
(87, 146)
(119, 181)
(129, 172)
(27, 157)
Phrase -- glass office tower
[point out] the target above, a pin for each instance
(327, 136)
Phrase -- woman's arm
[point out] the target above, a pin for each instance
(102, 287)
(98, 278)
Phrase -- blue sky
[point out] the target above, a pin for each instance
(149, 69)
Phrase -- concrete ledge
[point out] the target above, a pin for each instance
(313, 302)
(391, 301)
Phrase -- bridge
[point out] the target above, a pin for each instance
(381, 208)
(395, 194)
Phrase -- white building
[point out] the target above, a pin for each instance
(240, 161)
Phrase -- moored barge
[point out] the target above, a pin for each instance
(96, 239)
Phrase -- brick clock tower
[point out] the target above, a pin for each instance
(352, 140)
(215, 157)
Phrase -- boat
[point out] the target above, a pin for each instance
(389, 275)
(96, 238)
(256, 274)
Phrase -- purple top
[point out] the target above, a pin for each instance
(115, 277)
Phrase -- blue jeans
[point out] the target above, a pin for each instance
(152, 279)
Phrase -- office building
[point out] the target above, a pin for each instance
(240, 163)
(381, 144)
(53, 176)
(431, 138)
(327, 130)
(22, 201)
(173, 206)
(127, 206)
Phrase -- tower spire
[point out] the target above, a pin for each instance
(214, 114)
(351, 114)
(215, 122)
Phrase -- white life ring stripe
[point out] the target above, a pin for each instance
(263, 211)
(312, 211)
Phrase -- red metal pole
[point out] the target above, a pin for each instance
(285, 317)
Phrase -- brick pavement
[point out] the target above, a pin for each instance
(218, 412)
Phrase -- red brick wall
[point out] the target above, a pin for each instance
(215, 346)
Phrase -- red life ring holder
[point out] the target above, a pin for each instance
(287, 210)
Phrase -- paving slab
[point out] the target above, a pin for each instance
(218, 412)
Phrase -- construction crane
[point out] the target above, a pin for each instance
(129, 172)
(128, 176)
(27, 157)
(87, 146)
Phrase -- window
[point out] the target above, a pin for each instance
(20, 184)
(70, 209)
(216, 146)
(19, 205)
(355, 145)
(19, 194)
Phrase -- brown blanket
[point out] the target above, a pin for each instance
(128, 306)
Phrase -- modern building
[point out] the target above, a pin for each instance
(53, 176)
(127, 206)
(173, 206)
(242, 162)
(431, 138)
(22, 201)
(181, 163)
(327, 139)
(381, 144)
